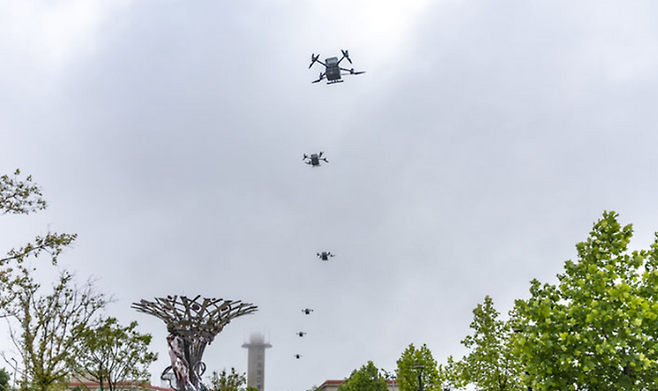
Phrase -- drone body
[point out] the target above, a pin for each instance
(307, 311)
(325, 255)
(333, 71)
(300, 334)
(314, 159)
(298, 356)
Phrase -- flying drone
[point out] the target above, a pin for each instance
(333, 71)
(314, 159)
(307, 311)
(300, 333)
(325, 255)
(298, 356)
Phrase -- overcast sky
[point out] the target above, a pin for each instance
(481, 145)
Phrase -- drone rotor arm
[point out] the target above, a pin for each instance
(319, 78)
(346, 55)
(351, 71)
(314, 59)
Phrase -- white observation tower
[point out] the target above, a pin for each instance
(256, 356)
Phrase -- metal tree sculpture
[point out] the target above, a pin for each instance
(192, 324)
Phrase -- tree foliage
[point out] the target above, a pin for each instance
(224, 381)
(23, 196)
(407, 375)
(452, 375)
(50, 326)
(109, 354)
(42, 324)
(4, 380)
(490, 365)
(366, 378)
(597, 328)
(20, 196)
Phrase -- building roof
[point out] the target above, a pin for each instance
(122, 385)
(336, 383)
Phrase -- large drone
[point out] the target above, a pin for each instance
(325, 255)
(333, 71)
(314, 159)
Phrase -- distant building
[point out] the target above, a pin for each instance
(332, 385)
(256, 361)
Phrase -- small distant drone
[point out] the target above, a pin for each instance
(300, 333)
(314, 159)
(307, 311)
(325, 255)
(298, 356)
(332, 68)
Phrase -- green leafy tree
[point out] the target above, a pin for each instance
(23, 196)
(366, 378)
(50, 325)
(407, 370)
(225, 381)
(42, 324)
(597, 328)
(491, 364)
(110, 354)
(4, 380)
(20, 196)
(452, 375)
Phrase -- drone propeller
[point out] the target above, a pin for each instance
(314, 58)
(305, 157)
(356, 73)
(346, 54)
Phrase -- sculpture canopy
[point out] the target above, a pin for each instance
(195, 319)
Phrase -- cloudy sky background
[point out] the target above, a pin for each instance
(480, 146)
